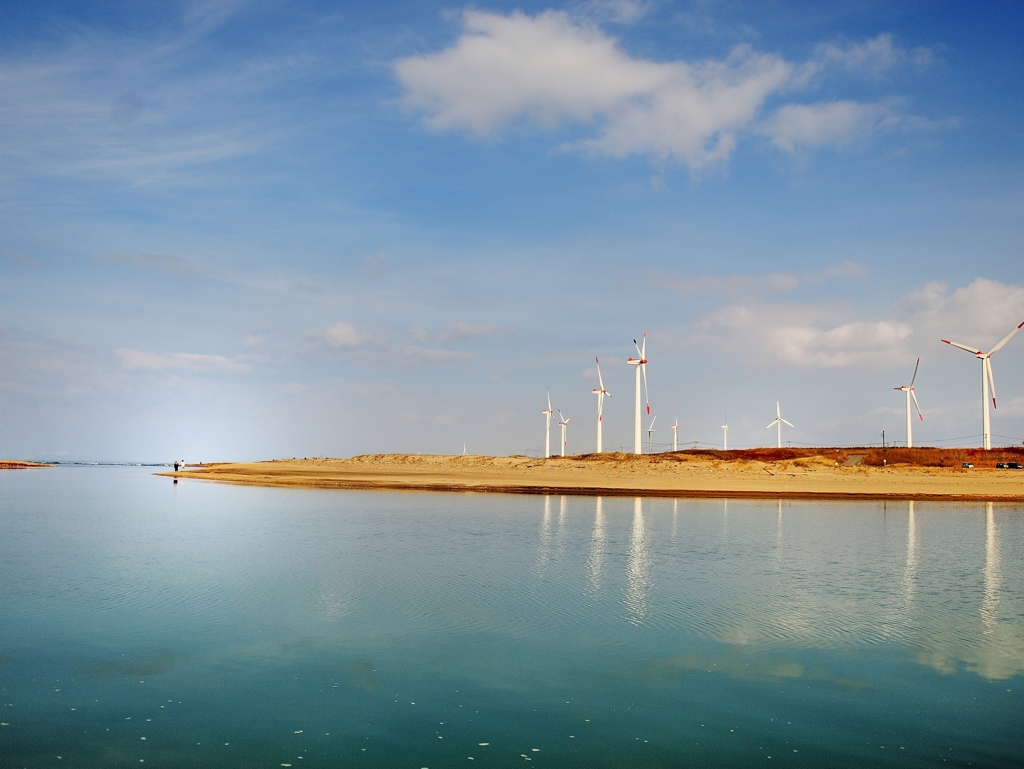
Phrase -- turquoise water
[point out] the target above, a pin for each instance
(143, 623)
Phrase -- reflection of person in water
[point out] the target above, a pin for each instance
(175, 465)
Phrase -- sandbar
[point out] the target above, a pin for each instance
(821, 473)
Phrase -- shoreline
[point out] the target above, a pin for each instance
(680, 474)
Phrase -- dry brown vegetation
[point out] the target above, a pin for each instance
(15, 464)
(871, 456)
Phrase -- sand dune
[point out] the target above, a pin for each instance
(674, 474)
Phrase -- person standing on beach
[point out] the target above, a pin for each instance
(175, 465)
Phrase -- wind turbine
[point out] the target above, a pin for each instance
(548, 413)
(725, 434)
(675, 431)
(986, 381)
(600, 392)
(909, 390)
(641, 366)
(778, 424)
(650, 439)
(564, 423)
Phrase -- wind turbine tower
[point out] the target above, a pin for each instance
(986, 381)
(600, 392)
(779, 421)
(725, 434)
(641, 368)
(548, 413)
(675, 432)
(650, 436)
(564, 423)
(909, 390)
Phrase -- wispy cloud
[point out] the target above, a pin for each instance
(549, 69)
(875, 55)
(752, 284)
(369, 350)
(461, 330)
(190, 363)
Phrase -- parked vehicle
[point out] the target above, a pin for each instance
(1014, 466)
(967, 465)
(1000, 465)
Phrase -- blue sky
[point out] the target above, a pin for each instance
(243, 230)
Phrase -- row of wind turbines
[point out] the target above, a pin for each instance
(640, 366)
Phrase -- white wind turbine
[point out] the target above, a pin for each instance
(986, 381)
(548, 413)
(600, 392)
(778, 424)
(641, 366)
(650, 436)
(909, 390)
(725, 434)
(675, 431)
(564, 423)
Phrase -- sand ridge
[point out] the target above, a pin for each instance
(818, 474)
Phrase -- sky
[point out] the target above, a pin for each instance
(246, 230)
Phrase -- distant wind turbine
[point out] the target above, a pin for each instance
(641, 367)
(779, 421)
(986, 381)
(548, 413)
(725, 434)
(675, 431)
(650, 436)
(564, 423)
(600, 392)
(909, 390)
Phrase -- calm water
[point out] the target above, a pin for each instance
(202, 625)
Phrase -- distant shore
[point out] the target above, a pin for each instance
(925, 474)
(17, 464)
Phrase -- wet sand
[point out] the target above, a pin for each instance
(673, 475)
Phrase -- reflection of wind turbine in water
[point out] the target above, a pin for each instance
(909, 390)
(986, 381)
(638, 567)
(993, 576)
(910, 571)
(598, 542)
(601, 393)
(548, 413)
(779, 421)
(544, 550)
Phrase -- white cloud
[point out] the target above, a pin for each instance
(548, 70)
(342, 335)
(813, 335)
(144, 360)
(461, 330)
(614, 11)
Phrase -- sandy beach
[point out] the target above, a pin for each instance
(825, 473)
(17, 464)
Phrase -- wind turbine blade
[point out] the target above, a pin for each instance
(788, 423)
(643, 351)
(600, 382)
(1006, 339)
(549, 400)
(917, 404)
(915, 372)
(773, 423)
(652, 423)
(991, 381)
(640, 355)
(778, 411)
(971, 350)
